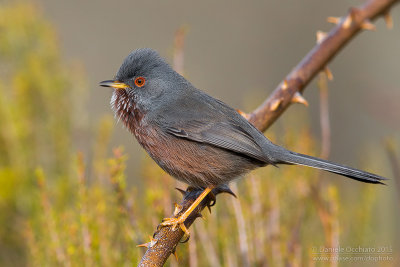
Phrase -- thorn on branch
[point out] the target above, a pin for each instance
(183, 192)
(275, 105)
(298, 98)
(388, 20)
(285, 85)
(145, 245)
(320, 36)
(328, 73)
(348, 20)
(176, 254)
(148, 244)
(367, 25)
(243, 114)
(334, 20)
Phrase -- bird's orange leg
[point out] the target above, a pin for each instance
(181, 219)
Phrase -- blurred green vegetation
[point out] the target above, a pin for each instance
(58, 207)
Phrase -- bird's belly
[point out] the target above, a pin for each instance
(196, 164)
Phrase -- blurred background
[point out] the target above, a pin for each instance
(76, 189)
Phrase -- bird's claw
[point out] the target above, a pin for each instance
(211, 202)
(212, 199)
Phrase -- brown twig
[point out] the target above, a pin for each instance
(316, 60)
(165, 240)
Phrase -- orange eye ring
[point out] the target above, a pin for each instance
(140, 81)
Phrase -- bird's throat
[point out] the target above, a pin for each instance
(125, 110)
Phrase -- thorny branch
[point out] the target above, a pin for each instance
(165, 240)
(289, 90)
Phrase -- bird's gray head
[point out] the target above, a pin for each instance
(145, 63)
(141, 81)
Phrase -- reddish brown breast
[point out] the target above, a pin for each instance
(132, 117)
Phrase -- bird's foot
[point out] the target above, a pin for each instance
(177, 222)
(180, 221)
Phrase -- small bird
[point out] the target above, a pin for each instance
(194, 137)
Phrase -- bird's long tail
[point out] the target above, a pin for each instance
(288, 157)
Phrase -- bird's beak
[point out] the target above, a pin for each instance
(114, 84)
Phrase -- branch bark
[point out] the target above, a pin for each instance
(165, 240)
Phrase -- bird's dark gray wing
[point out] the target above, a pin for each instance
(220, 134)
(212, 122)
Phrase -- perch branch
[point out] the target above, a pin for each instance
(165, 240)
(317, 59)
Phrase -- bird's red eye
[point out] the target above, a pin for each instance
(140, 81)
